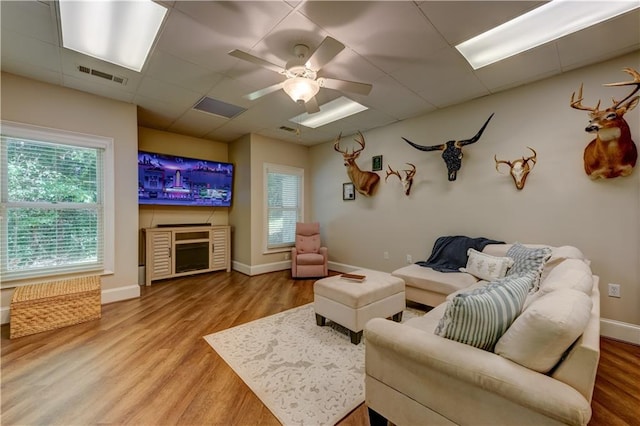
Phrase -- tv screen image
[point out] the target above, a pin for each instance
(181, 181)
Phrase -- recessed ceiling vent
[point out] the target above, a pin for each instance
(216, 107)
(287, 129)
(102, 74)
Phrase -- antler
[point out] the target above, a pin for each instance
(392, 172)
(336, 144)
(533, 159)
(477, 136)
(636, 81)
(498, 162)
(360, 141)
(410, 173)
(577, 104)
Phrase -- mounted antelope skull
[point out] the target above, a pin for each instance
(407, 180)
(451, 151)
(364, 182)
(519, 169)
(612, 153)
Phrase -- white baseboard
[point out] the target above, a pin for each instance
(342, 267)
(618, 330)
(261, 269)
(121, 293)
(108, 296)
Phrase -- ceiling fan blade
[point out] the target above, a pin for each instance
(327, 50)
(311, 106)
(345, 86)
(255, 60)
(260, 93)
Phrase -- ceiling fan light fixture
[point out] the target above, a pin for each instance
(301, 89)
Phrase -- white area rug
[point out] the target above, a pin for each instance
(304, 374)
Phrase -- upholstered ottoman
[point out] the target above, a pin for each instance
(352, 303)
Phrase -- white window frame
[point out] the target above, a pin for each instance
(64, 137)
(278, 168)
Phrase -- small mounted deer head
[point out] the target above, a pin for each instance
(519, 169)
(612, 153)
(364, 182)
(407, 180)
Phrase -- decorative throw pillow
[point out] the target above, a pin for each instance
(486, 267)
(559, 255)
(539, 337)
(528, 260)
(481, 317)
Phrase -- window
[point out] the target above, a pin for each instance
(55, 204)
(283, 204)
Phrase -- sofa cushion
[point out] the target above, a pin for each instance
(425, 278)
(559, 255)
(528, 260)
(479, 318)
(570, 274)
(539, 337)
(485, 266)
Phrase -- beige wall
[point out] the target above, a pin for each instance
(41, 104)
(559, 205)
(240, 212)
(266, 150)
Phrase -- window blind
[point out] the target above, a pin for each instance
(52, 208)
(283, 205)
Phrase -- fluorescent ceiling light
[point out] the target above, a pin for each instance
(546, 23)
(120, 32)
(332, 111)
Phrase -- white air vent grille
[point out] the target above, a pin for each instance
(102, 74)
(287, 129)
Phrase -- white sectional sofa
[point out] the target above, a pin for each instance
(541, 370)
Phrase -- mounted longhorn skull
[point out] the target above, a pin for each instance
(364, 182)
(451, 151)
(519, 169)
(407, 180)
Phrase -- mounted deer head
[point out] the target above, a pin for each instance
(407, 180)
(451, 151)
(364, 182)
(519, 169)
(612, 153)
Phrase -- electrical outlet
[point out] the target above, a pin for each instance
(614, 290)
(386, 255)
(286, 256)
(409, 259)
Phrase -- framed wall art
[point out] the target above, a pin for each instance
(376, 163)
(348, 191)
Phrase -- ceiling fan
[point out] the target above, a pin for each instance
(302, 83)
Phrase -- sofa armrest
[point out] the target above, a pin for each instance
(461, 382)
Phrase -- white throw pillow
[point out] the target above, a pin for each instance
(571, 274)
(539, 337)
(559, 255)
(480, 317)
(485, 266)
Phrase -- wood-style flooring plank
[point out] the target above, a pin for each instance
(145, 362)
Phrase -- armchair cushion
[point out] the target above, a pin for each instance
(308, 244)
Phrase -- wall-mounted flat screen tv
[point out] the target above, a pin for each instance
(180, 181)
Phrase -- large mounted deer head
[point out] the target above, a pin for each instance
(612, 153)
(364, 182)
(452, 150)
(407, 180)
(519, 169)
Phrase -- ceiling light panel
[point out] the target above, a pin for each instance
(120, 32)
(546, 23)
(335, 110)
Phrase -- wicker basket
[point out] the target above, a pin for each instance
(47, 306)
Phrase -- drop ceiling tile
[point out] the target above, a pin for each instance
(29, 18)
(109, 90)
(169, 94)
(32, 72)
(396, 100)
(153, 118)
(171, 69)
(196, 123)
(29, 50)
(595, 44)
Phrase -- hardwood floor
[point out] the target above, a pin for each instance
(145, 361)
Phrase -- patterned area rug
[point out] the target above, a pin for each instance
(304, 374)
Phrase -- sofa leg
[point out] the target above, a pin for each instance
(320, 320)
(355, 337)
(397, 317)
(376, 419)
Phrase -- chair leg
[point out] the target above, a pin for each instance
(355, 337)
(376, 419)
(397, 317)
(320, 320)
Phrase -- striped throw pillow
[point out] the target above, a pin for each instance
(479, 318)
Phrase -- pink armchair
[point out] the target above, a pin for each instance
(308, 259)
